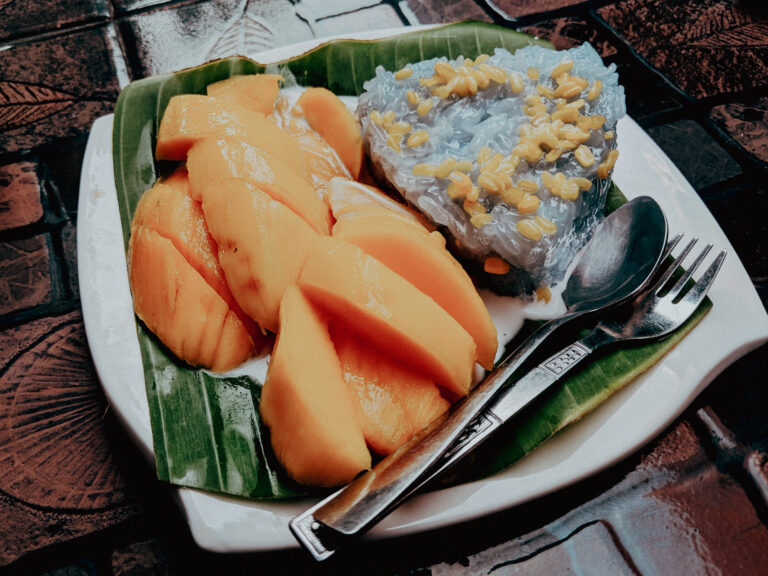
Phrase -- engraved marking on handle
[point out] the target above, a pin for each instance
(305, 528)
(482, 422)
(567, 358)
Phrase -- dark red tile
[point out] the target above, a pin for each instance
(706, 47)
(698, 156)
(146, 557)
(21, 195)
(569, 32)
(59, 476)
(738, 399)
(646, 94)
(741, 211)
(437, 12)
(56, 87)
(517, 8)
(69, 244)
(24, 17)
(746, 123)
(25, 274)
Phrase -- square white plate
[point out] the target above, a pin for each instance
(632, 417)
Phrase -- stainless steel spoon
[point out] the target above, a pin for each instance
(625, 250)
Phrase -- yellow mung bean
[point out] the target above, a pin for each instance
(424, 107)
(546, 225)
(562, 67)
(528, 229)
(594, 90)
(584, 156)
(445, 167)
(528, 204)
(418, 138)
(403, 73)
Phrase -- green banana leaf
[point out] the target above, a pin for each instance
(206, 429)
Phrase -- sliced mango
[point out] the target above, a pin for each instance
(321, 161)
(190, 117)
(262, 245)
(328, 115)
(211, 160)
(168, 209)
(257, 92)
(348, 197)
(180, 308)
(389, 311)
(394, 401)
(312, 419)
(390, 233)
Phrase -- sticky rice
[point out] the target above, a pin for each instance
(510, 154)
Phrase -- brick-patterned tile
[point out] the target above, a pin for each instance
(746, 122)
(698, 156)
(517, 8)
(190, 34)
(706, 47)
(21, 195)
(59, 476)
(437, 12)
(145, 557)
(741, 211)
(26, 17)
(569, 32)
(55, 87)
(590, 549)
(69, 243)
(646, 94)
(373, 18)
(25, 273)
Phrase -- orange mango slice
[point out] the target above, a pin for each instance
(394, 401)
(395, 238)
(262, 245)
(168, 209)
(257, 92)
(328, 115)
(211, 160)
(190, 117)
(312, 419)
(389, 311)
(181, 308)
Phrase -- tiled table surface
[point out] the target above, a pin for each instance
(75, 496)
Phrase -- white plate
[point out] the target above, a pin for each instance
(632, 417)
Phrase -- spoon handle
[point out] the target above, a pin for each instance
(356, 507)
(512, 399)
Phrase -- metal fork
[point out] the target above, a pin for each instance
(654, 313)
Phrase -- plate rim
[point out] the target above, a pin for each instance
(197, 506)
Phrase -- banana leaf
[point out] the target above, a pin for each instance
(206, 429)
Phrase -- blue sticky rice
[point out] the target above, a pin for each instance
(466, 126)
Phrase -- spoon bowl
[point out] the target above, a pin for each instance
(625, 249)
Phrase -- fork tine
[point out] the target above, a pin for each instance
(680, 284)
(671, 244)
(697, 292)
(669, 270)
